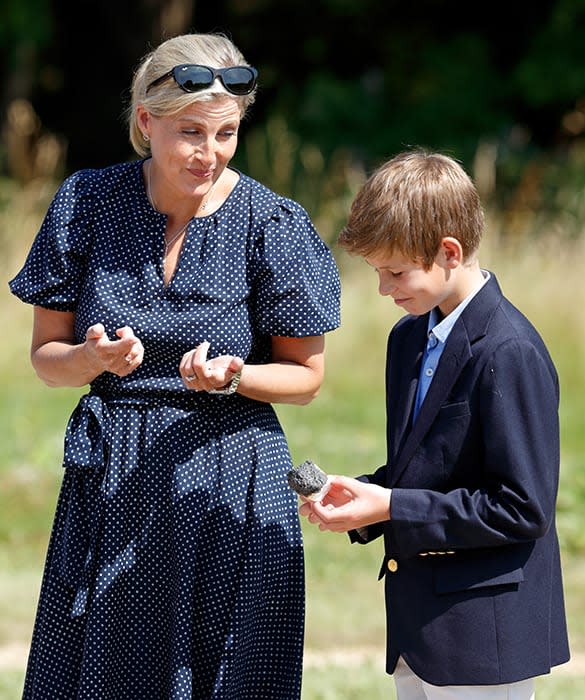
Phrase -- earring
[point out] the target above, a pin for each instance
(146, 137)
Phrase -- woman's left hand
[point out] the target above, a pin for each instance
(201, 374)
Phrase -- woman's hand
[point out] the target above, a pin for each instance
(348, 505)
(201, 374)
(120, 357)
(60, 361)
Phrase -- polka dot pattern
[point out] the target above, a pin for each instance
(175, 565)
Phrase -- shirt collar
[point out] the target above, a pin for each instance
(441, 329)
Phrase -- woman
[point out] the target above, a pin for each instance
(190, 298)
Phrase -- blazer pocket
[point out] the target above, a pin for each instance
(449, 411)
(454, 576)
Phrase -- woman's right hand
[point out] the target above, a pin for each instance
(60, 361)
(120, 357)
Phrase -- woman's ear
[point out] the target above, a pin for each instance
(452, 251)
(142, 119)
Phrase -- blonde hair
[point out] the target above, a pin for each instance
(409, 204)
(214, 50)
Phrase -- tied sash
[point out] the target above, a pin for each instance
(86, 453)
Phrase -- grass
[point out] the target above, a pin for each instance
(343, 430)
(340, 682)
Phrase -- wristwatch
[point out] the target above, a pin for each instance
(229, 388)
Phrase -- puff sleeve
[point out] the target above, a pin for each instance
(54, 269)
(297, 287)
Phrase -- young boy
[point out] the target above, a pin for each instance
(466, 500)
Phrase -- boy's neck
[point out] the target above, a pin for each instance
(469, 279)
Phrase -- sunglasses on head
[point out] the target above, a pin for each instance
(191, 77)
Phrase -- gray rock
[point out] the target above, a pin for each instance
(307, 478)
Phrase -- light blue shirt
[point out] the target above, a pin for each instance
(437, 334)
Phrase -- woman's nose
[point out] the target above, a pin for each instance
(204, 149)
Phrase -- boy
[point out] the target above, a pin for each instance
(466, 500)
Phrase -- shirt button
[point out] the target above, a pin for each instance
(429, 371)
(392, 565)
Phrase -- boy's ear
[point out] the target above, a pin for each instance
(452, 251)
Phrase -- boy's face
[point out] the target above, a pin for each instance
(413, 288)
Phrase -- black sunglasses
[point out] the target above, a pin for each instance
(190, 77)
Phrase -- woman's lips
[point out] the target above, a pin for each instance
(202, 174)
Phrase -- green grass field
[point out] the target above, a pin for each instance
(343, 431)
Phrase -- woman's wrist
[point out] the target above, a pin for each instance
(231, 387)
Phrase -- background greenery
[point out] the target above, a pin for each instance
(343, 86)
(501, 87)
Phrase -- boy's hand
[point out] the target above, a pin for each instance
(349, 504)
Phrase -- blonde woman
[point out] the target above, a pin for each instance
(189, 298)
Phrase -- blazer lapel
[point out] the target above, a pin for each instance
(402, 384)
(455, 356)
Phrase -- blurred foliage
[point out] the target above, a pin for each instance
(551, 72)
(351, 81)
(21, 23)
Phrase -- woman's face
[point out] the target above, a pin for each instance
(191, 149)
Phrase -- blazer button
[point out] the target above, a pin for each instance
(392, 565)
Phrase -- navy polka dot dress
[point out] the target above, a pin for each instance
(175, 565)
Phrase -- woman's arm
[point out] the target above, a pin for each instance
(59, 361)
(294, 376)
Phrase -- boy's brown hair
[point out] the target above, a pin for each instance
(409, 204)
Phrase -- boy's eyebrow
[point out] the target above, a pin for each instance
(383, 267)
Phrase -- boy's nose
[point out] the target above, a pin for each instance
(386, 288)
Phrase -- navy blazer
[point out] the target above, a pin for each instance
(472, 569)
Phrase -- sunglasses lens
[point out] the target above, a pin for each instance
(240, 80)
(193, 78)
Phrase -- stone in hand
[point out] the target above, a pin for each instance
(308, 480)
